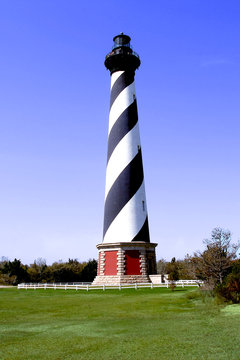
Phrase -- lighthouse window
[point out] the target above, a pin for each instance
(143, 205)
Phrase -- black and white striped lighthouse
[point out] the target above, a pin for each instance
(126, 254)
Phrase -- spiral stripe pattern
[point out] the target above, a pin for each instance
(125, 211)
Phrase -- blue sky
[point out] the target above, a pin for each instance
(54, 103)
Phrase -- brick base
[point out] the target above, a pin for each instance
(120, 280)
(125, 263)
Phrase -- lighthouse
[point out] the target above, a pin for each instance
(126, 254)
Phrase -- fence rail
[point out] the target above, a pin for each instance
(88, 286)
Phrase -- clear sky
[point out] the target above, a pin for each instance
(54, 104)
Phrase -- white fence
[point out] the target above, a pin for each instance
(88, 286)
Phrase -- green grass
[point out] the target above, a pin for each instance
(144, 324)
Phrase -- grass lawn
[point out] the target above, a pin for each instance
(129, 324)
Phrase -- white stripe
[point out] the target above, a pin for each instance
(122, 155)
(115, 76)
(130, 220)
(124, 99)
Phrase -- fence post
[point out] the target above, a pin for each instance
(104, 287)
(151, 285)
(136, 286)
(87, 287)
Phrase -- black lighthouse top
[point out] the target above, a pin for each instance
(122, 57)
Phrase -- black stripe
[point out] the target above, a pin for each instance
(120, 84)
(126, 121)
(123, 189)
(143, 234)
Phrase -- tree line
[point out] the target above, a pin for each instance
(14, 272)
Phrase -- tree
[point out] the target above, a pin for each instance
(89, 271)
(214, 263)
(162, 268)
(186, 268)
(15, 272)
(36, 271)
(172, 270)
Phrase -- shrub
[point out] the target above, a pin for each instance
(230, 289)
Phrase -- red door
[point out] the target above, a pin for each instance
(110, 263)
(132, 262)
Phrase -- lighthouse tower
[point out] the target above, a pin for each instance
(125, 254)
